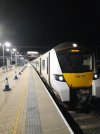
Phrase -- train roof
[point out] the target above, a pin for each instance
(70, 45)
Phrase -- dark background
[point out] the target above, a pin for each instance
(32, 25)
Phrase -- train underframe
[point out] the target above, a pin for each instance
(79, 97)
(83, 99)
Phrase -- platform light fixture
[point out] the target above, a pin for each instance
(7, 49)
(11, 52)
(7, 44)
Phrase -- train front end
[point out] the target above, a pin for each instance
(77, 65)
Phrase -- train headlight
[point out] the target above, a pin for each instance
(75, 45)
(59, 77)
(96, 76)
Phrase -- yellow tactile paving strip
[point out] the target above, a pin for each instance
(12, 104)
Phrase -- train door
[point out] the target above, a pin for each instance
(40, 66)
(48, 68)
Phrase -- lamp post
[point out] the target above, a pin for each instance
(12, 51)
(7, 44)
(3, 57)
(16, 56)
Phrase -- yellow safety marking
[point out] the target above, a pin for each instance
(18, 113)
(76, 80)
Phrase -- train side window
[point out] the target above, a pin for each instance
(43, 64)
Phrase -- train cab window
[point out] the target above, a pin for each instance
(75, 62)
(43, 64)
(87, 62)
(81, 62)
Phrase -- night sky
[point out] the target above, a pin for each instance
(45, 24)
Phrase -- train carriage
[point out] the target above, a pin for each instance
(69, 69)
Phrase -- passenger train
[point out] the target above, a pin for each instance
(69, 69)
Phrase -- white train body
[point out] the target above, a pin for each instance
(48, 66)
(42, 65)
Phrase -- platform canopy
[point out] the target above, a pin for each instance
(32, 54)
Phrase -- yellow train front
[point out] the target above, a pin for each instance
(77, 65)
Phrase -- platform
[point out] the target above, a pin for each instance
(28, 108)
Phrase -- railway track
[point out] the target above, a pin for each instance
(89, 123)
